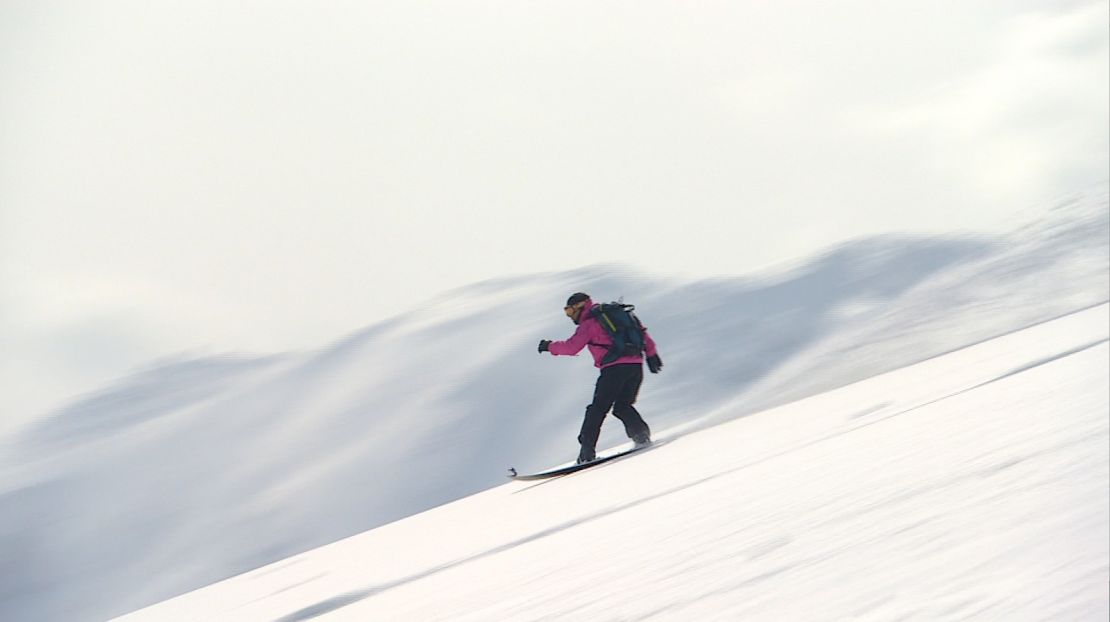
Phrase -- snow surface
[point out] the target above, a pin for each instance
(975, 485)
(197, 470)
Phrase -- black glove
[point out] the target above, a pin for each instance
(544, 343)
(654, 364)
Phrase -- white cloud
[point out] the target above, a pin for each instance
(1029, 121)
(266, 177)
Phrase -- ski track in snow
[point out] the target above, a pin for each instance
(979, 488)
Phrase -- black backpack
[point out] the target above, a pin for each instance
(623, 327)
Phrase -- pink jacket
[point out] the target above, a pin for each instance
(590, 333)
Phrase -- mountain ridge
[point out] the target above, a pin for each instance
(275, 455)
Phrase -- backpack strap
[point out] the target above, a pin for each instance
(608, 322)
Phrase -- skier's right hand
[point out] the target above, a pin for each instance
(544, 343)
(654, 363)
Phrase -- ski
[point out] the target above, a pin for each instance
(574, 468)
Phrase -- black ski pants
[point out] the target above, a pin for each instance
(617, 388)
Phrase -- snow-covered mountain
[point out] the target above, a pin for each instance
(975, 485)
(196, 470)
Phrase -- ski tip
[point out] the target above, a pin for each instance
(512, 472)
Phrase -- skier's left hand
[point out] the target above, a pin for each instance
(544, 343)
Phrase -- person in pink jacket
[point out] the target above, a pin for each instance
(619, 382)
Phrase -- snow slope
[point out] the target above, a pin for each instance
(197, 470)
(975, 485)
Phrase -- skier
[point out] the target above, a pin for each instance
(619, 382)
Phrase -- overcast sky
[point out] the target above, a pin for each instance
(260, 176)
